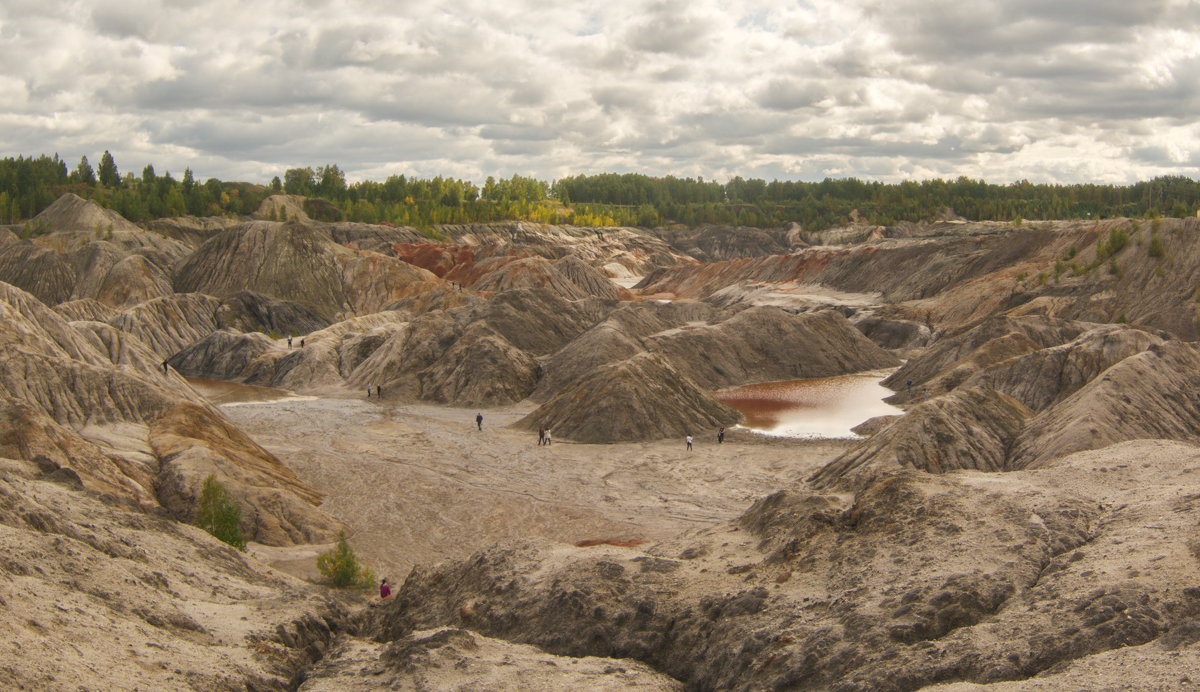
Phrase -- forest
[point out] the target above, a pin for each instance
(29, 184)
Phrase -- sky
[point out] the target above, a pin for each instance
(1044, 90)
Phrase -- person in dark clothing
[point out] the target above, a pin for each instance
(541, 436)
(721, 436)
(479, 420)
(289, 342)
(379, 391)
(384, 589)
(165, 368)
(368, 391)
(302, 343)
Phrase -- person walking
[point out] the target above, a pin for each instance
(378, 391)
(479, 420)
(547, 437)
(541, 436)
(289, 341)
(368, 391)
(689, 442)
(721, 436)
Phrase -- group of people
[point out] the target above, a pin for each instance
(543, 436)
(720, 439)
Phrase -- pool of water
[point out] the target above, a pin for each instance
(223, 393)
(818, 408)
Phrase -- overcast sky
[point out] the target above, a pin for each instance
(1048, 90)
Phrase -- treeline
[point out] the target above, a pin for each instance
(29, 184)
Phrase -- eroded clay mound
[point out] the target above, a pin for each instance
(763, 344)
(568, 277)
(719, 243)
(641, 398)
(247, 311)
(169, 323)
(1047, 376)
(1149, 395)
(70, 212)
(374, 282)
(292, 261)
(61, 382)
(955, 357)
(969, 428)
(100, 597)
(43, 273)
(458, 659)
(912, 580)
(222, 355)
(194, 441)
(85, 309)
(481, 369)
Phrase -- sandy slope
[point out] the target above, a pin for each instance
(420, 484)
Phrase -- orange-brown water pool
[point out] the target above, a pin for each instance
(220, 392)
(821, 407)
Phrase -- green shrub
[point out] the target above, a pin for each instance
(218, 514)
(340, 566)
(1117, 240)
(1156, 247)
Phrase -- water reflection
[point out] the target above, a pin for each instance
(823, 407)
(225, 393)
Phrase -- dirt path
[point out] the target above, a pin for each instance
(419, 483)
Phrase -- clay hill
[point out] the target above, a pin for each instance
(1025, 520)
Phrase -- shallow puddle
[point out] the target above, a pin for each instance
(822, 407)
(222, 393)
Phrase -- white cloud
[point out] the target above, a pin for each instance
(1063, 91)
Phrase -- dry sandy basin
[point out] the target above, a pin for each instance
(420, 484)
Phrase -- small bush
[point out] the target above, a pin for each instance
(1117, 240)
(1155, 249)
(218, 514)
(1113, 267)
(340, 566)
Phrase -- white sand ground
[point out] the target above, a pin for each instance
(420, 484)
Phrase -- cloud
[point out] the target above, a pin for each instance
(1062, 91)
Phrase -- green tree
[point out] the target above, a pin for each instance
(84, 172)
(109, 177)
(218, 514)
(341, 566)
